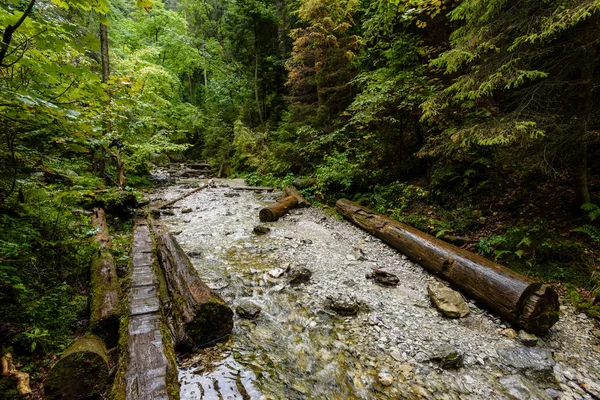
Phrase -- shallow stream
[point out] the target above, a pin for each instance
(298, 348)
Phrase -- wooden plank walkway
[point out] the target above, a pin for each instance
(148, 367)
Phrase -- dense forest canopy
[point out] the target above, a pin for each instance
(476, 121)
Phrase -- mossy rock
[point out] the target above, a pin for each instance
(80, 373)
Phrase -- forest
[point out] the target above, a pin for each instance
(477, 122)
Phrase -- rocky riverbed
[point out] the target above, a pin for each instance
(291, 344)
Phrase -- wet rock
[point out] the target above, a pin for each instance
(277, 272)
(385, 378)
(592, 387)
(448, 301)
(519, 388)
(261, 229)
(448, 357)
(300, 275)
(186, 211)
(343, 305)
(509, 333)
(383, 277)
(194, 253)
(537, 364)
(247, 310)
(527, 339)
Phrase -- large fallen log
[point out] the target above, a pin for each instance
(253, 188)
(292, 191)
(200, 317)
(104, 293)
(517, 298)
(275, 211)
(199, 166)
(170, 203)
(80, 373)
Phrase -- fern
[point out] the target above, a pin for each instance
(592, 210)
(591, 231)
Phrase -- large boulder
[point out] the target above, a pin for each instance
(247, 310)
(449, 302)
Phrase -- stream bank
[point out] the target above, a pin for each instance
(393, 348)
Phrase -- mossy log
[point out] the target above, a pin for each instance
(292, 191)
(275, 211)
(200, 317)
(80, 373)
(304, 183)
(104, 298)
(517, 298)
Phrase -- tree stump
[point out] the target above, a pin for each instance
(80, 373)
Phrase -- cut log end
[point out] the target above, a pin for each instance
(540, 310)
(212, 324)
(275, 211)
(266, 215)
(80, 373)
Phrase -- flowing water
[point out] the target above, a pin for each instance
(298, 348)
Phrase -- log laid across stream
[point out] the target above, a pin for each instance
(200, 317)
(517, 298)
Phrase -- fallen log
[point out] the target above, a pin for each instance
(199, 166)
(275, 211)
(170, 203)
(200, 317)
(21, 378)
(304, 183)
(253, 188)
(292, 191)
(104, 293)
(529, 304)
(80, 373)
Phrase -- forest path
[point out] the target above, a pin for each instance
(298, 348)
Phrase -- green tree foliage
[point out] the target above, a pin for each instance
(522, 79)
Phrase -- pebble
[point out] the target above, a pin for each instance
(509, 333)
(385, 378)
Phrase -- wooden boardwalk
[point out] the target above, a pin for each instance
(148, 367)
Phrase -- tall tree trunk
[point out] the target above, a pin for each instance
(256, 91)
(580, 175)
(204, 72)
(104, 52)
(258, 107)
(9, 31)
(121, 179)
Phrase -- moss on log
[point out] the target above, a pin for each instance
(200, 317)
(104, 301)
(80, 373)
(304, 183)
(517, 298)
(275, 211)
